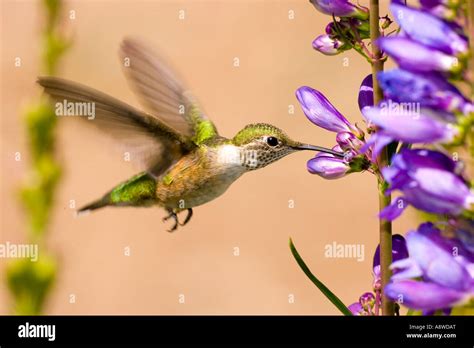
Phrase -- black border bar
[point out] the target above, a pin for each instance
(330, 330)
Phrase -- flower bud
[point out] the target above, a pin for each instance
(320, 111)
(327, 46)
(327, 167)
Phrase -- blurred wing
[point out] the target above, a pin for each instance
(149, 141)
(162, 94)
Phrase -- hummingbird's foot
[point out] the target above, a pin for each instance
(188, 217)
(173, 215)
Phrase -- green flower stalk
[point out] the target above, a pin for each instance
(30, 281)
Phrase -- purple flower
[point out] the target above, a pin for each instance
(328, 166)
(365, 305)
(399, 251)
(428, 181)
(326, 45)
(446, 277)
(356, 309)
(429, 30)
(320, 111)
(366, 92)
(407, 123)
(340, 8)
(415, 56)
(348, 141)
(427, 89)
(423, 296)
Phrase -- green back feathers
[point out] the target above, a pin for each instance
(204, 129)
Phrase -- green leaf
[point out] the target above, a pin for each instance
(323, 288)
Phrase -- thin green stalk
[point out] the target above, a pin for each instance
(323, 288)
(385, 227)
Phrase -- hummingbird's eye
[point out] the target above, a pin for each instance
(272, 141)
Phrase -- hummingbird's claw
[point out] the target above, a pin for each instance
(173, 215)
(187, 218)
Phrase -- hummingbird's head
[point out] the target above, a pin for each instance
(261, 144)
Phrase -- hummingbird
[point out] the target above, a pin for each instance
(185, 161)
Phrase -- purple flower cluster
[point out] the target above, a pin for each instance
(422, 116)
(421, 106)
(444, 266)
(349, 138)
(341, 35)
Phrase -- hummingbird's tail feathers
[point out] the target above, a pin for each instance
(100, 203)
(139, 190)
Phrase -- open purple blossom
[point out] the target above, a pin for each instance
(428, 181)
(440, 35)
(414, 56)
(340, 8)
(446, 279)
(409, 125)
(426, 90)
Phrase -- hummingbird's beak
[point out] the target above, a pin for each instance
(318, 148)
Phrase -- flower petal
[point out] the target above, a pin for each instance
(366, 92)
(356, 308)
(424, 296)
(450, 244)
(339, 8)
(326, 45)
(438, 265)
(427, 90)
(414, 56)
(439, 35)
(327, 167)
(405, 269)
(411, 126)
(394, 210)
(320, 111)
(399, 250)
(445, 186)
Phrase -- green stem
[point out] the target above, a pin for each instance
(385, 227)
(323, 288)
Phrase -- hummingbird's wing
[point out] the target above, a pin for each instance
(149, 141)
(162, 94)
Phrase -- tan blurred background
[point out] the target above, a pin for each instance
(197, 261)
